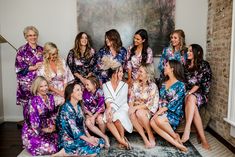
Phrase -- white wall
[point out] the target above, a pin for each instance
(56, 21)
(191, 16)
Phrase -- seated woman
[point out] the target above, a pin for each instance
(93, 98)
(74, 139)
(80, 57)
(112, 48)
(38, 132)
(115, 93)
(171, 99)
(143, 103)
(198, 79)
(138, 53)
(55, 71)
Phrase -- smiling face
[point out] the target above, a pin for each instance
(31, 37)
(90, 86)
(190, 53)
(108, 41)
(77, 93)
(142, 75)
(138, 40)
(53, 56)
(167, 69)
(83, 40)
(175, 40)
(43, 88)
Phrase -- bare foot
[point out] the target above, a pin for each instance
(178, 138)
(185, 136)
(206, 146)
(148, 145)
(183, 148)
(107, 144)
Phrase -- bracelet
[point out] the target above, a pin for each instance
(189, 93)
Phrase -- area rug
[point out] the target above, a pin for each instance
(162, 149)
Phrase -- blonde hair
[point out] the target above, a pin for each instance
(48, 49)
(36, 84)
(28, 28)
(149, 69)
(181, 35)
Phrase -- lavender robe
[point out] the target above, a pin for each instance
(25, 57)
(41, 115)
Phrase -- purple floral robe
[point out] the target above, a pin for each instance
(41, 115)
(25, 57)
(94, 102)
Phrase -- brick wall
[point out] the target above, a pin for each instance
(218, 55)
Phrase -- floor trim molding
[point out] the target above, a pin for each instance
(221, 139)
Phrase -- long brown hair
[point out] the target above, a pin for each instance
(178, 70)
(197, 55)
(115, 38)
(77, 47)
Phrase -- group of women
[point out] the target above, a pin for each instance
(113, 88)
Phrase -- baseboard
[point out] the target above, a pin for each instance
(221, 139)
(13, 119)
(1, 120)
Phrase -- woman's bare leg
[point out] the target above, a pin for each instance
(143, 119)
(91, 126)
(114, 131)
(190, 107)
(155, 123)
(198, 124)
(140, 129)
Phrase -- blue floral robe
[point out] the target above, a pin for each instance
(173, 99)
(71, 126)
(102, 74)
(168, 54)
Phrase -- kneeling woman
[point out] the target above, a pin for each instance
(38, 132)
(74, 140)
(171, 99)
(115, 93)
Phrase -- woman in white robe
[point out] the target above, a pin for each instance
(116, 114)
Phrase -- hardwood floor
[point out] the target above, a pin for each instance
(10, 139)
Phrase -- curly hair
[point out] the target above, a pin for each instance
(48, 49)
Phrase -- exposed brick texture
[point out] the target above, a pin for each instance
(218, 54)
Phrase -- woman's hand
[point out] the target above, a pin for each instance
(93, 140)
(132, 110)
(109, 115)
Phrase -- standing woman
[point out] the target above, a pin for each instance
(175, 51)
(74, 139)
(56, 72)
(115, 93)
(80, 58)
(112, 48)
(38, 132)
(171, 100)
(198, 79)
(139, 53)
(28, 59)
(143, 102)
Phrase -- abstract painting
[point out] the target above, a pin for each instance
(127, 16)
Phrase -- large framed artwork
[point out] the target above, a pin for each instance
(127, 16)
